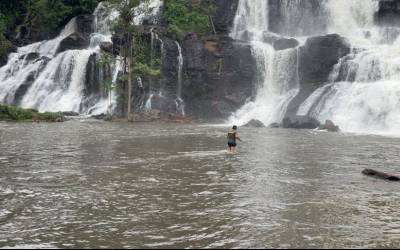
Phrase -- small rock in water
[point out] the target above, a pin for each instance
(255, 124)
(300, 122)
(274, 125)
(330, 126)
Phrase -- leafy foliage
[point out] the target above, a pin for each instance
(43, 15)
(185, 16)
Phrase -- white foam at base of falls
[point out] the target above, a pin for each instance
(277, 76)
(278, 85)
(365, 95)
(363, 92)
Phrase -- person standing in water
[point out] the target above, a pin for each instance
(232, 137)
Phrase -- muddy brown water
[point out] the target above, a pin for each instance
(90, 184)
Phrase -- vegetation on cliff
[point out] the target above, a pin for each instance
(11, 113)
(184, 16)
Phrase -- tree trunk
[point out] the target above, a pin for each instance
(129, 90)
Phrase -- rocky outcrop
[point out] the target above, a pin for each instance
(80, 39)
(274, 125)
(97, 76)
(388, 13)
(73, 41)
(300, 122)
(319, 55)
(224, 15)
(316, 60)
(255, 124)
(330, 126)
(107, 47)
(219, 76)
(285, 43)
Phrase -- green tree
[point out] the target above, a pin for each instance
(127, 30)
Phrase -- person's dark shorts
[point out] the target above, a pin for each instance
(232, 144)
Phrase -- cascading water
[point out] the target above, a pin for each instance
(154, 37)
(180, 104)
(39, 77)
(277, 70)
(364, 95)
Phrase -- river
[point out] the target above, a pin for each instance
(92, 184)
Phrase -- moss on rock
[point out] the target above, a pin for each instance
(12, 113)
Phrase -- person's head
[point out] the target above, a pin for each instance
(234, 127)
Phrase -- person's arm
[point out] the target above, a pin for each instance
(237, 137)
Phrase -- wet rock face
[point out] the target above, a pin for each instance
(319, 55)
(285, 43)
(72, 42)
(219, 76)
(224, 15)
(388, 13)
(330, 126)
(255, 124)
(316, 61)
(300, 122)
(80, 39)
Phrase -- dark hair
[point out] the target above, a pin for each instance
(234, 127)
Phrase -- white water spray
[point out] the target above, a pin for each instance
(277, 77)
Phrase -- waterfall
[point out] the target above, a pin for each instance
(154, 37)
(37, 76)
(277, 78)
(180, 105)
(148, 106)
(364, 96)
(363, 91)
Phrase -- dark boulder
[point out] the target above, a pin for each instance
(255, 124)
(285, 43)
(388, 13)
(73, 42)
(380, 175)
(32, 56)
(107, 47)
(319, 55)
(80, 38)
(317, 59)
(274, 125)
(300, 122)
(330, 126)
